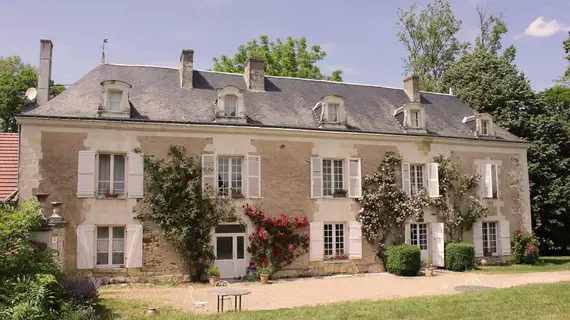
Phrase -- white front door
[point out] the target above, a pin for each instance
(230, 253)
(419, 237)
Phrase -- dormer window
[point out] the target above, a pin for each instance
(115, 100)
(230, 105)
(481, 124)
(415, 119)
(330, 112)
(411, 117)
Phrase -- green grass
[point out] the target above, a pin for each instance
(546, 301)
(546, 264)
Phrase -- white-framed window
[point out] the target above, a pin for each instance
(489, 238)
(332, 112)
(114, 100)
(110, 246)
(419, 235)
(334, 239)
(490, 181)
(485, 127)
(333, 176)
(230, 175)
(415, 119)
(111, 174)
(416, 178)
(230, 105)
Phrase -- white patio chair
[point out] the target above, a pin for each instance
(444, 288)
(223, 283)
(202, 305)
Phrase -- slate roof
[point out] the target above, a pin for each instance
(287, 102)
(8, 164)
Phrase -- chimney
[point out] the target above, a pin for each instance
(412, 87)
(254, 74)
(44, 77)
(186, 68)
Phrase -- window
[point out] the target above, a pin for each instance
(494, 182)
(490, 181)
(230, 105)
(111, 175)
(115, 98)
(332, 112)
(334, 239)
(485, 127)
(416, 178)
(489, 238)
(332, 176)
(418, 236)
(110, 246)
(230, 175)
(415, 119)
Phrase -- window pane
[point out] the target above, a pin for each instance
(236, 175)
(223, 176)
(115, 98)
(119, 174)
(104, 184)
(332, 112)
(338, 175)
(423, 240)
(118, 257)
(416, 178)
(240, 247)
(118, 248)
(224, 248)
(328, 240)
(494, 184)
(414, 234)
(339, 239)
(327, 178)
(102, 245)
(230, 103)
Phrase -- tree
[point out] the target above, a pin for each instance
(184, 211)
(292, 58)
(566, 77)
(557, 100)
(429, 38)
(15, 78)
(492, 27)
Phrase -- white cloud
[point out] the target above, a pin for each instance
(544, 28)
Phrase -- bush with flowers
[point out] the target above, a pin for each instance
(525, 248)
(275, 239)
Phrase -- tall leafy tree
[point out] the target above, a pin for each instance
(492, 27)
(430, 39)
(565, 79)
(15, 78)
(291, 58)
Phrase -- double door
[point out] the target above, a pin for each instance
(230, 254)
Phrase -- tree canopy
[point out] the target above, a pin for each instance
(292, 58)
(15, 78)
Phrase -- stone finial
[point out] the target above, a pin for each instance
(186, 68)
(412, 87)
(254, 74)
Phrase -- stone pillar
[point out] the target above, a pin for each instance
(186, 68)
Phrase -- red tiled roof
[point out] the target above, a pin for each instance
(8, 164)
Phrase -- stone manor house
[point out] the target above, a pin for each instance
(289, 143)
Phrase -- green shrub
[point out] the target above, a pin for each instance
(213, 271)
(459, 256)
(403, 260)
(525, 248)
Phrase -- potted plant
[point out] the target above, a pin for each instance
(341, 257)
(265, 271)
(237, 195)
(112, 195)
(213, 274)
(429, 269)
(340, 193)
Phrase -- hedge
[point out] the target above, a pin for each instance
(403, 260)
(459, 256)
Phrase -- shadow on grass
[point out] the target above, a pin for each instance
(555, 260)
(105, 313)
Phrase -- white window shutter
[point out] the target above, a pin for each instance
(317, 241)
(134, 247)
(316, 177)
(433, 179)
(86, 174)
(135, 182)
(505, 233)
(354, 178)
(406, 179)
(478, 238)
(407, 231)
(486, 181)
(254, 176)
(209, 173)
(355, 238)
(85, 246)
(438, 245)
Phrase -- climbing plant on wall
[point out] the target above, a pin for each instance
(458, 204)
(185, 212)
(385, 206)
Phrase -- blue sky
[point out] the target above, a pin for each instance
(359, 36)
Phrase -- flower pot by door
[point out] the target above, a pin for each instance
(264, 278)
(213, 280)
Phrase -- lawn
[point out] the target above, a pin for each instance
(546, 264)
(545, 301)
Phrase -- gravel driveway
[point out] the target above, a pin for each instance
(313, 291)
